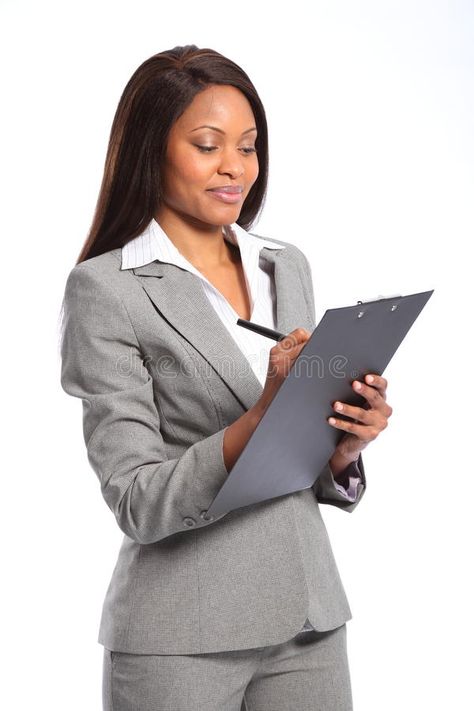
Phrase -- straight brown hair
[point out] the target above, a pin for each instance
(155, 96)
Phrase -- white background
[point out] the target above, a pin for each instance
(371, 115)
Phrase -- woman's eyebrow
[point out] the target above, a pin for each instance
(214, 128)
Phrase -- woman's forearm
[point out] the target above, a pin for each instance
(238, 434)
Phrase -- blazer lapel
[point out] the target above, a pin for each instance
(179, 297)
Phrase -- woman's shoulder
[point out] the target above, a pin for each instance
(290, 251)
(98, 275)
(104, 267)
(104, 263)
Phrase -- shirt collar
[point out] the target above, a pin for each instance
(153, 243)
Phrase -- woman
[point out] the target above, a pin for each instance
(246, 609)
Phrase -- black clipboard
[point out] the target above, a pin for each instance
(293, 441)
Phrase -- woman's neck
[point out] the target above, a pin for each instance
(206, 249)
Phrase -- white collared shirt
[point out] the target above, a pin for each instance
(153, 243)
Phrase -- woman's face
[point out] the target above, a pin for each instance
(212, 144)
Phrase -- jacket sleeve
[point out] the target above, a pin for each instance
(326, 489)
(151, 496)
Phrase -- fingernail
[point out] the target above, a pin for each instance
(357, 385)
(370, 378)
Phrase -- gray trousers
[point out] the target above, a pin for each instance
(307, 673)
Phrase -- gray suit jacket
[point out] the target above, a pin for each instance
(160, 378)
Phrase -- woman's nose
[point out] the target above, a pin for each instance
(231, 164)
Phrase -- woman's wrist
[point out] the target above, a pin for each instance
(339, 462)
(352, 457)
(258, 410)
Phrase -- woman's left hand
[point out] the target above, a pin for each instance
(370, 419)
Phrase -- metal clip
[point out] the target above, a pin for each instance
(380, 296)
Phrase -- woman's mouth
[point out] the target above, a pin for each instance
(226, 197)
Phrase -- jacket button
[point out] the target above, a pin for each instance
(207, 517)
(189, 521)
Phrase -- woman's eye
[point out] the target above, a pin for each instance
(208, 149)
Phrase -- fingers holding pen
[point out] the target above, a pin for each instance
(285, 352)
(281, 358)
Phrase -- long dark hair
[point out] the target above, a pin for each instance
(156, 95)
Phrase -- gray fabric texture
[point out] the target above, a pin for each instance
(310, 672)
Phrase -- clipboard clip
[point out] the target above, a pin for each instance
(380, 297)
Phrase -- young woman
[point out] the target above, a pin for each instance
(247, 609)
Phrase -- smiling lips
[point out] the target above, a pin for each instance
(228, 188)
(227, 193)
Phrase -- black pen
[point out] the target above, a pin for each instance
(262, 330)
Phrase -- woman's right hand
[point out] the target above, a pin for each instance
(281, 358)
